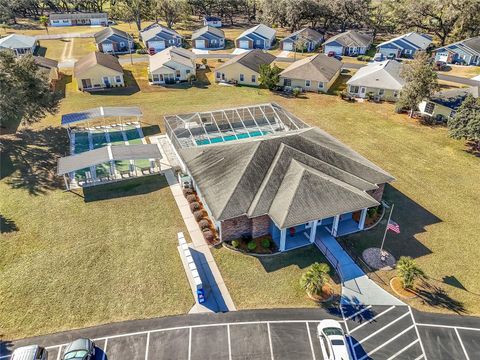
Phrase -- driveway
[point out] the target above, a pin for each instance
(374, 332)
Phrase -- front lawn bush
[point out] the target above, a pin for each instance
(208, 236)
(187, 191)
(191, 198)
(251, 246)
(194, 206)
(235, 244)
(266, 243)
(203, 223)
(198, 215)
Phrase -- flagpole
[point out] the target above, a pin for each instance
(386, 229)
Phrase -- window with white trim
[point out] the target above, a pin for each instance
(307, 83)
(429, 108)
(242, 78)
(381, 92)
(320, 85)
(287, 82)
(354, 89)
(254, 79)
(118, 79)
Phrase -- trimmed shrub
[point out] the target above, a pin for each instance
(208, 236)
(206, 229)
(198, 215)
(194, 206)
(141, 51)
(204, 61)
(235, 244)
(296, 92)
(204, 224)
(187, 191)
(266, 243)
(251, 246)
(191, 198)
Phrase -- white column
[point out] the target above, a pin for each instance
(283, 239)
(313, 231)
(363, 216)
(336, 220)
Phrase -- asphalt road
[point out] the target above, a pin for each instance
(379, 332)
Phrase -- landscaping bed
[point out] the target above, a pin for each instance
(263, 245)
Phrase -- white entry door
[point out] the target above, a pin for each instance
(200, 44)
(244, 44)
(363, 90)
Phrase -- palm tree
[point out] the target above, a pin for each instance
(44, 21)
(313, 280)
(408, 271)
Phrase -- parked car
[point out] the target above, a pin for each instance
(332, 340)
(111, 22)
(391, 57)
(331, 53)
(441, 65)
(378, 57)
(80, 349)
(31, 352)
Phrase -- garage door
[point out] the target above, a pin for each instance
(200, 44)
(157, 45)
(244, 44)
(107, 47)
(288, 46)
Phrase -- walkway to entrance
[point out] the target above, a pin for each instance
(357, 288)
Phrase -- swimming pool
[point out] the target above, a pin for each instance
(220, 139)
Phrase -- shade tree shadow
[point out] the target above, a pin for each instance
(437, 297)
(7, 225)
(302, 258)
(6, 347)
(29, 159)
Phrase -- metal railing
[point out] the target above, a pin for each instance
(330, 257)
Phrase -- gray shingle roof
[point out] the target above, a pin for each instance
(296, 177)
(260, 29)
(453, 98)
(308, 33)
(76, 16)
(208, 29)
(17, 41)
(96, 58)
(351, 38)
(318, 67)
(382, 75)
(251, 59)
(109, 31)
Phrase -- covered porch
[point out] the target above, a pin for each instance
(304, 234)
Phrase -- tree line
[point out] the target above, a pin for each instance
(448, 20)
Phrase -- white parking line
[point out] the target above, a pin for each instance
(421, 356)
(449, 327)
(461, 343)
(357, 313)
(372, 319)
(104, 349)
(59, 353)
(402, 350)
(190, 344)
(229, 343)
(270, 340)
(381, 329)
(387, 342)
(351, 347)
(417, 332)
(147, 346)
(311, 343)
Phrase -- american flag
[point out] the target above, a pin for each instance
(392, 225)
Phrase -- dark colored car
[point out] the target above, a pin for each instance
(331, 53)
(80, 349)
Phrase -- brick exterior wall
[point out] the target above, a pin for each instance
(378, 193)
(236, 228)
(260, 226)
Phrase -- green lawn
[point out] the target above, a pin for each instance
(118, 256)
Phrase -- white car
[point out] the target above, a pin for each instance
(332, 340)
(31, 352)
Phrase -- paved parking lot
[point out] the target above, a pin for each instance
(378, 332)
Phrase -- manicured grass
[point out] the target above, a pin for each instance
(75, 262)
(268, 282)
(463, 71)
(74, 48)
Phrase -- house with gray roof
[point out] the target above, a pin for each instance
(348, 43)
(78, 18)
(405, 45)
(315, 73)
(19, 44)
(257, 37)
(212, 21)
(157, 37)
(208, 37)
(306, 39)
(113, 41)
(465, 52)
(293, 186)
(381, 80)
(444, 104)
(171, 65)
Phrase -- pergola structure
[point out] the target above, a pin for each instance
(108, 155)
(204, 128)
(103, 112)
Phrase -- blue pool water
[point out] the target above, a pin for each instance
(231, 137)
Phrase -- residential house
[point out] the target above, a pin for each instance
(315, 73)
(75, 19)
(405, 45)
(157, 37)
(349, 43)
(212, 21)
(257, 37)
(379, 79)
(306, 39)
(297, 187)
(98, 71)
(49, 67)
(443, 104)
(208, 37)
(244, 69)
(114, 41)
(19, 44)
(171, 65)
(465, 52)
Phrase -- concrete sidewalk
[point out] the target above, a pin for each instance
(210, 269)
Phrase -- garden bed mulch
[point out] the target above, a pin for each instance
(328, 294)
(259, 249)
(397, 287)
